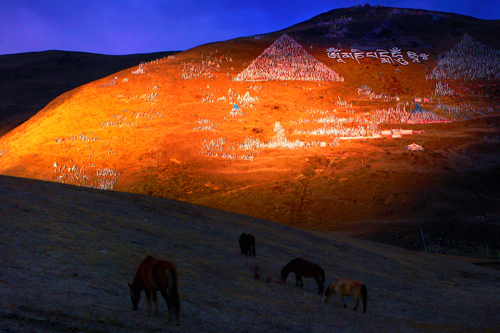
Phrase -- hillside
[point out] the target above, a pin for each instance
(31, 80)
(309, 144)
(67, 253)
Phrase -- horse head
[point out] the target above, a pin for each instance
(135, 295)
(284, 274)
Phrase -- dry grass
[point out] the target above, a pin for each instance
(68, 252)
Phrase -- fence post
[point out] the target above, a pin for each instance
(422, 234)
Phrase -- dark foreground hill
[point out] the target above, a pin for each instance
(29, 81)
(67, 253)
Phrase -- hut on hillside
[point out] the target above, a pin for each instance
(414, 147)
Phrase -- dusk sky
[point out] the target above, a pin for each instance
(138, 26)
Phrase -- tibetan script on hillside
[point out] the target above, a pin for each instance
(392, 56)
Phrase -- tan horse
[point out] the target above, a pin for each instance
(152, 276)
(347, 287)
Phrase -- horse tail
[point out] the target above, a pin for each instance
(173, 287)
(364, 296)
(250, 244)
(323, 275)
(173, 293)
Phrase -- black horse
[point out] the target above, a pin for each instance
(304, 268)
(247, 244)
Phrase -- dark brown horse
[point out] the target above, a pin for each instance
(304, 268)
(247, 244)
(152, 276)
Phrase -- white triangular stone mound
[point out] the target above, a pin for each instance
(287, 60)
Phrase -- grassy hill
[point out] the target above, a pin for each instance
(68, 253)
(31, 80)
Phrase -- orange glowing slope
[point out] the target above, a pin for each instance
(170, 127)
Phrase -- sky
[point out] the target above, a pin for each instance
(119, 27)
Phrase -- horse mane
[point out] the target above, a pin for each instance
(294, 262)
(291, 265)
(331, 288)
(137, 275)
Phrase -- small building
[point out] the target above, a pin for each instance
(396, 133)
(414, 147)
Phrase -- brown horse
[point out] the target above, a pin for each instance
(247, 244)
(304, 268)
(152, 276)
(347, 287)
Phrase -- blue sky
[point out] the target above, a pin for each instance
(138, 26)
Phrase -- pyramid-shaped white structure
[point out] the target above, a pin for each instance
(287, 60)
(422, 116)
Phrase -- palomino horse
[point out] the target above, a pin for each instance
(247, 244)
(347, 287)
(152, 276)
(303, 268)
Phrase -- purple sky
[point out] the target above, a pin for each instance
(144, 26)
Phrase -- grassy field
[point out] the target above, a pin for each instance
(68, 253)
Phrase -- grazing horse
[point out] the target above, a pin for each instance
(347, 287)
(247, 244)
(152, 276)
(304, 268)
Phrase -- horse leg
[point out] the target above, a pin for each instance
(298, 280)
(356, 298)
(342, 299)
(320, 284)
(148, 297)
(155, 300)
(169, 305)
